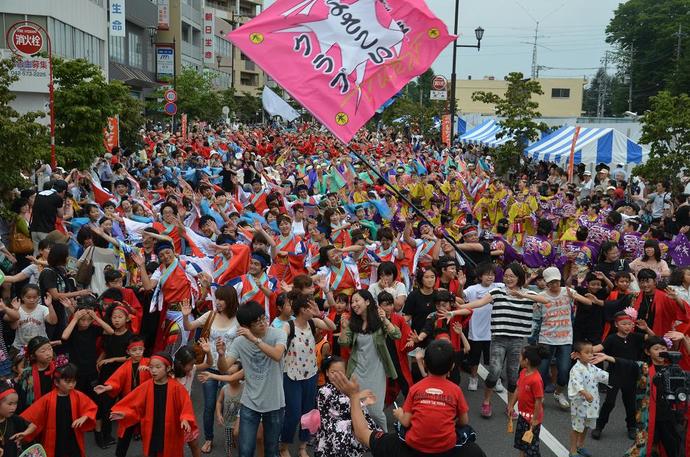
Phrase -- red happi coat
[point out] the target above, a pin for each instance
(137, 408)
(121, 379)
(42, 414)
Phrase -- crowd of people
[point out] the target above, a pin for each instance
(308, 294)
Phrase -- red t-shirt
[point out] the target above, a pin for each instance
(529, 388)
(435, 404)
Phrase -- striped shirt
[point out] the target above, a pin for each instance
(511, 316)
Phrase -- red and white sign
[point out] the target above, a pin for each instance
(445, 129)
(27, 40)
(184, 127)
(163, 14)
(209, 37)
(170, 96)
(439, 83)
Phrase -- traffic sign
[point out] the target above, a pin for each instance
(170, 109)
(438, 95)
(27, 40)
(439, 83)
(170, 96)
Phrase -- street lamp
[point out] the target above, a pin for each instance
(479, 34)
(219, 59)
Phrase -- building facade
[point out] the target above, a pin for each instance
(77, 28)
(562, 96)
(131, 57)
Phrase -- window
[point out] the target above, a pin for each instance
(136, 59)
(249, 79)
(117, 49)
(560, 93)
(222, 46)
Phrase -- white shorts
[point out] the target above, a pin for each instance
(579, 423)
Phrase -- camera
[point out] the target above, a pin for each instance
(673, 382)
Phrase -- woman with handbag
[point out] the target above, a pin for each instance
(217, 324)
(96, 256)
(20, 243)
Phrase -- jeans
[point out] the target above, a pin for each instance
(505, 350)
(210, 387)
(563, 364)
(249, 424)
(300, 398)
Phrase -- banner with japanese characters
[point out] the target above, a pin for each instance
(111, 134)
(117, 18)
(343, 59)
(209, 32)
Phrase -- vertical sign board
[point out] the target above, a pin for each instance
(445, 129)
(209, 32)
(165, 63)
(117, 18)
(163, 14)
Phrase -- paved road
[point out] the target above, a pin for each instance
(492, 436)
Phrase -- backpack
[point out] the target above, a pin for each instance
(291, 335)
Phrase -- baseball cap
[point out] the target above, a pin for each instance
(552, 274)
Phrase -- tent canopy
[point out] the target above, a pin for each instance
(485, 135)
(594, 145)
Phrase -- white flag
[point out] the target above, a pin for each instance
(276, 106)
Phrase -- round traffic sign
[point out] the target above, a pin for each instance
(27, 40)
(170, 96)
(170, 109)
(439, 83)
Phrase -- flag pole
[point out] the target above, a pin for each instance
(469, 262)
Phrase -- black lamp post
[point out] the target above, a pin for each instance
(479, 34)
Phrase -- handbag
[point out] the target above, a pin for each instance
(85, 270)
(199, 353)
(20, 243)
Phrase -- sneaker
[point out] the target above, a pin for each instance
(563, 402)
(486, 410)
(499, 387)
(472, 385)
(596, 434)
(584, 452)
(632, 433)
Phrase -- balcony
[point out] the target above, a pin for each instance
(190, 50)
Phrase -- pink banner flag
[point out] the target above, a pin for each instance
(342, 59)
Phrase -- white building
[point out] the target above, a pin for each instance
(77, 28)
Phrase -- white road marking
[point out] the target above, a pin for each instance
(546, 437)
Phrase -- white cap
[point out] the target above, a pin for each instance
(551, 274)
(587, 173)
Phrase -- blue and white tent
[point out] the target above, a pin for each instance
(594, 145)
(485, 135)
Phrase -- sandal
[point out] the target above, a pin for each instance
(207, 447)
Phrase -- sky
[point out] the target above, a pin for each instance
(571, 36)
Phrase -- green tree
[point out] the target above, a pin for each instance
(666, 128)
(196, 96)
(83, 102)
(248, 108)
(20, 135)
(518, 111)
(647, 31)
(131, 113)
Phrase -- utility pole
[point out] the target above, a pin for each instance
(630, 77)
(678, 45)
(535, 67)
(601, 98)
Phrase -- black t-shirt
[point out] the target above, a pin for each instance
(46, 382)
(646, 311)
(418, 306)
(227, 179)
(160, 392)
(14, 424)
(45, 210)
(114, 346)
(56, 278)
(65, 439)
(589, 319)
(336, 346)
(610, 268)
(631, 347)
(82, 349)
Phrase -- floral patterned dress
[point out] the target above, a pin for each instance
(335, 437)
